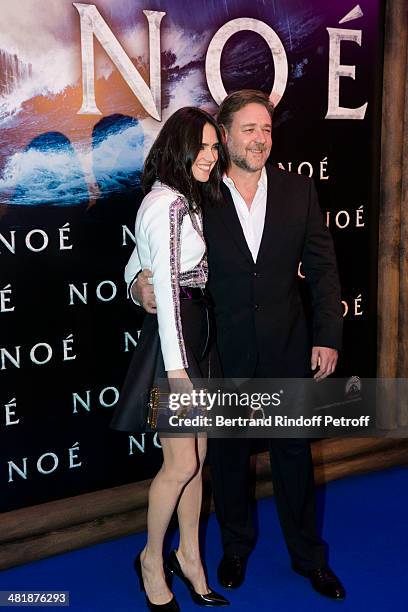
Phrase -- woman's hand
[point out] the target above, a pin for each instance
(177, 374)
(181, 386)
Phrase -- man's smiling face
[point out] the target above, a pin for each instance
(249, 137)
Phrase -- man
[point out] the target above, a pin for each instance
(271, 220)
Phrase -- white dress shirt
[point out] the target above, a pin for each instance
(252, 219)
(169, 242)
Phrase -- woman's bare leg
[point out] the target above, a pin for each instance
(188, 511)
(179, 467)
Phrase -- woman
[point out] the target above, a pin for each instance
(182, 171)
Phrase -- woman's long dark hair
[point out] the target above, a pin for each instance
(174, 151)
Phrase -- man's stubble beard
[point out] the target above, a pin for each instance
(241, 162)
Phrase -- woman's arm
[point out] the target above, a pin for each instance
(161, 226)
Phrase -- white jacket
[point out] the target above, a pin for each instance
(170, 243)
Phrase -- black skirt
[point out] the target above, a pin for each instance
(147, 364)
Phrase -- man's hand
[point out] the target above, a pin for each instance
(142, 291)
(326, 359)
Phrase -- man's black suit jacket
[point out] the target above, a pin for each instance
(259, 312)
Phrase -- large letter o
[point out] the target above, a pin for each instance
(213, 58)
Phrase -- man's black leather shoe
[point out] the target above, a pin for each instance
(324, 581)
(231, 571)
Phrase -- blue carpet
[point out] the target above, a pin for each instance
(364, 522)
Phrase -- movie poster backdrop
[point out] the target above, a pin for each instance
(84, 89)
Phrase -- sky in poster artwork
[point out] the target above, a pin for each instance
(40, 54)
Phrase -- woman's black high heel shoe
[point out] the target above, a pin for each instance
(209, 599)
(170, 606)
